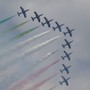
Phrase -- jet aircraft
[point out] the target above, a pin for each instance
(66, 55)
(22, 12)
(36, 16)
(58, 26)
(67, 44)
(69, 31)
(47, 22)
(64, 80)
(65, 69)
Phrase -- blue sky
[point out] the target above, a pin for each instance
(74, 14)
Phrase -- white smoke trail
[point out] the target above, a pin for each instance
(33, 38)
(4, 65)
(25, 42)
(39, 46)
(49, 54)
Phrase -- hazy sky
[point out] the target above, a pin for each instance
(14, 66)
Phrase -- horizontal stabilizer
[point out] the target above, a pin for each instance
(32, 18)
(42, 24)
(60, 83)
(62, 57)
(64, 33)
(54, 28)
(18, 13)
(63, 46)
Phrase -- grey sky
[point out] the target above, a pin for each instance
(74, 14)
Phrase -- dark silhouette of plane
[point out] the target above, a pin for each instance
(58, 26)
(37, 16)
(23, 12)
(68, 32)
(47, 22)
(65, 69)
(67, 44)
(66, 55)
(64, 80)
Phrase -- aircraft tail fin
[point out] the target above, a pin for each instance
(60, 83)
(18, 13)
(64, 33)
(54, 28)
(62, 57)
(32, 18)
(42, 24)
(63, 46)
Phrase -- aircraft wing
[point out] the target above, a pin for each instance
(24, 15)
(23, 12)
(69, 46)
(67, 28)
(67, 55)
(65, 80)
(66, 83)
(36, 14)
(65, 68)
(46, 19)
(66, 41)
(57, 23)
(22, 8)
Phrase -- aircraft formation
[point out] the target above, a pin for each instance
(66, 56)
(67, 42)
(47, 22)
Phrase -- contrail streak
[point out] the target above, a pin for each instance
(50, 54)
(6, 19)
(39, 46)
(23, 43)
(7, 73)
(26, 32)
(33, 38)
(42, 82)
(22, 83)
(19, 36)
(9, 62)
(53, 87)
(17, 26)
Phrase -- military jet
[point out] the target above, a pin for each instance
(66, 55)
(64, 80)
(65, 69)
(67, 44)
(68, 32)
(58, 26)
(47, 22)
(23, 12)
(37, 16)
